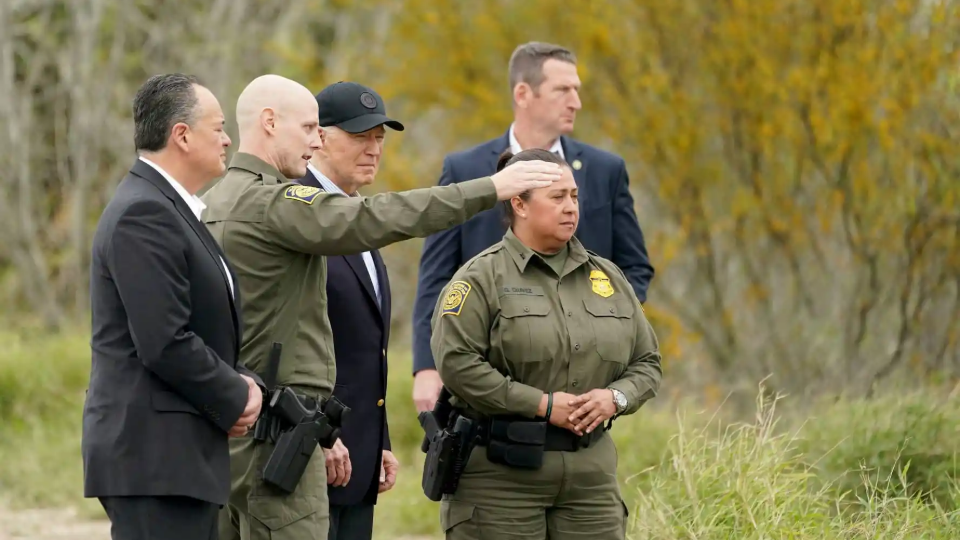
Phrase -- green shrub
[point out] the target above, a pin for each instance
(752, 482)
(862, 444)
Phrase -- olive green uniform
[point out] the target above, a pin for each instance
(513, 324)
(276, 234)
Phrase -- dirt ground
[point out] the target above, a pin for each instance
(61, 525)
(50, 525)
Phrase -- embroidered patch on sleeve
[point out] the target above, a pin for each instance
(456, 296)
(304, 194)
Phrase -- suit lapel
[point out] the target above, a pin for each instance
(360, 269)
(310, 180)
(571, 153)
(381, 270)
(497, 147)
(151, 175)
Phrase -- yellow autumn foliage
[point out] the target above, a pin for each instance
(796, 163)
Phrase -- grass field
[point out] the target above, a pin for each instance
(884, 468)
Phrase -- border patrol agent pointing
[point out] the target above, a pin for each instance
(538, 342)
(276, 234)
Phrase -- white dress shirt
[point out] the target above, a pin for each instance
(330, 187)
(557, 148)
(195, 204)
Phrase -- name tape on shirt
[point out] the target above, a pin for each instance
(522, 290)
(456, 295)
(304, 194)
(600, 283)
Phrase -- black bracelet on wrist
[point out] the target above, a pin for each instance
(549, 405)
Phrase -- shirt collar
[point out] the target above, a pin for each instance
(515, 145)
(521, 254)
(196, 205)
(327, 183)
(252, 163)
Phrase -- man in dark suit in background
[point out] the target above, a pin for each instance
(361, 465)
(165, 389)
(545, 89)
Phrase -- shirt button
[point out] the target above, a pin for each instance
(577, 346)
(569, 314)
(574, 383)
(611, 310)
(380, 403)
(526, 309)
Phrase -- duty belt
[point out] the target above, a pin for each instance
(555, 439)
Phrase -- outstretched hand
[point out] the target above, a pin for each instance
(523, 176)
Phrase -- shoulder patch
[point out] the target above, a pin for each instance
(304, 194)
(456, 296)
(600, 283)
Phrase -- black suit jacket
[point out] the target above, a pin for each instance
(361, 332)
(608, 227)
(164, 385)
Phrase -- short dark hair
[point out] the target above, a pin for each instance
(532, 154)
(526, 62)
(162, 102)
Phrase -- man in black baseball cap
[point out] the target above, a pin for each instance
(360, 466)
(353, 108)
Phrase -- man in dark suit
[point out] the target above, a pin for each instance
(545, 87)
(165, 391)
(361, 465)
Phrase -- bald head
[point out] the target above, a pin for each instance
(277, 120)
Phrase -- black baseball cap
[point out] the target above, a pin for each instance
(353, 108)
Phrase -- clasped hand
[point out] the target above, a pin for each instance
(582, 413)
(251, 412)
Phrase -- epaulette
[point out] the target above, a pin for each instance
(496, 248)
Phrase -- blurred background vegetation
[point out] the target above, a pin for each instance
(796, 170)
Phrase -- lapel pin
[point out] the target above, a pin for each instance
(577, 164)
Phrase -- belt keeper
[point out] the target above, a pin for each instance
(549, 405)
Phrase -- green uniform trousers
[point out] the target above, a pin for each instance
(574, 495)
(257, 511)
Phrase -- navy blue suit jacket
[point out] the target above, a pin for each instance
(608, 227)
(361, 331)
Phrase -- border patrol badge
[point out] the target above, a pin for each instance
(600, 283)
(304, 194)
(456, 295)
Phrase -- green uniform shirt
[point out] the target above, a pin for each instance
(276, 235)
(508, 328)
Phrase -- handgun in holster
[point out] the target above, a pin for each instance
(447, 447)
(295, 425)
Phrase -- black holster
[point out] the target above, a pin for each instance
(448, 448)
(297, 425)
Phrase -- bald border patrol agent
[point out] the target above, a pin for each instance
(277, 233)
(538, 342)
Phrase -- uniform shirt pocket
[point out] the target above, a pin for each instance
(612, 322)
(524, 327)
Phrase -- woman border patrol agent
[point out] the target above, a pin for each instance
(540, 342)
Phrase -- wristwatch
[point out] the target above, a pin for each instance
(619, 399)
